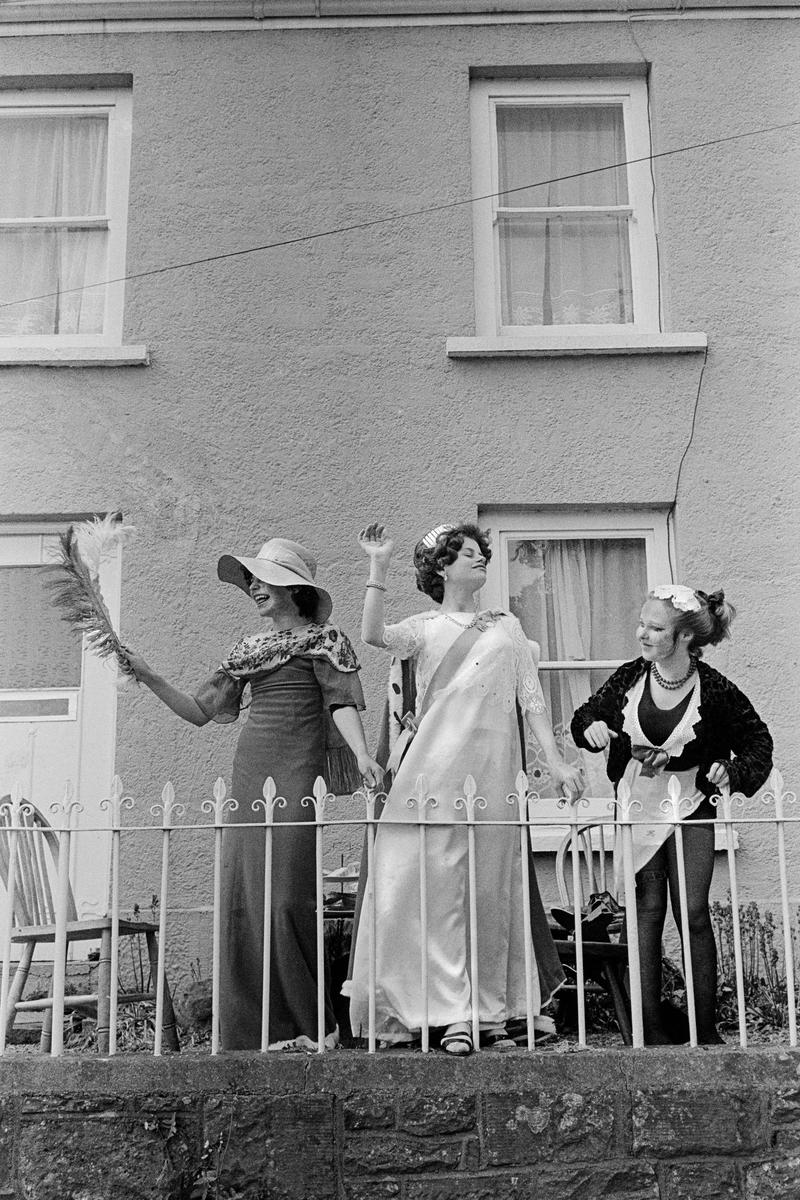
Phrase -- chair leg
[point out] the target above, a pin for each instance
(104, 992)
(46, 1038)
(619, 998)
(17, 986)
(169, 1029)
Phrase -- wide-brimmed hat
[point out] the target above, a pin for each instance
(279, 561)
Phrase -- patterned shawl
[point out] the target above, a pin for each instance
(270, 650)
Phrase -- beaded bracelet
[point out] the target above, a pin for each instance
(374, 584)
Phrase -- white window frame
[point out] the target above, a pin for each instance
(117, 104)
(543, 524)
(631, 93)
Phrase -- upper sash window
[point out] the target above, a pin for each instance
(63, 216)
(565, 237)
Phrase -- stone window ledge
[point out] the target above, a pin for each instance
(560, 345)
(74, 356)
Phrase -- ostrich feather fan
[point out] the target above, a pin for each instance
(75, 585)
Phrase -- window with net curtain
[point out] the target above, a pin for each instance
(54, 229)
(563, 247)
(580, 599)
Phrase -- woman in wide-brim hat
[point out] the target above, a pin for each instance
(303, 721)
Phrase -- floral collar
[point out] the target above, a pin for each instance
(268, 651)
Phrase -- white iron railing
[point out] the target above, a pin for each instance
(467, 811)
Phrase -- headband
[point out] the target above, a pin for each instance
(429, 541)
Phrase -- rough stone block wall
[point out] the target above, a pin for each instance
(709, 1124)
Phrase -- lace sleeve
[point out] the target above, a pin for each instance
(405, 638)
(529, 690)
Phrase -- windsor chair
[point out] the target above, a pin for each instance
(605, 961)
(35, 923)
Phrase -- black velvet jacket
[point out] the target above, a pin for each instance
(728, 726)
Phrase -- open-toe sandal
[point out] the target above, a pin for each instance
(457, 1041)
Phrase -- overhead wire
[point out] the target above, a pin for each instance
(390, 218)
(443, 207)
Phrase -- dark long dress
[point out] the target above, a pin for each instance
(285, 737)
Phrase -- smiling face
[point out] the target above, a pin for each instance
(656, 633)
(469, 569)
(271, 600)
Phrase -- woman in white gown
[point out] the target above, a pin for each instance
(475, 678)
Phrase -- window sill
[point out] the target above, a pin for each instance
(74, 356)
(563, 345)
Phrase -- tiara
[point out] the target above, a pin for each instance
(681, 597)
(429, 541)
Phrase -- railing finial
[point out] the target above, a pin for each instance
(470, 800)
(115, 802)
(219, 805)
(270, 801)
(168, 806)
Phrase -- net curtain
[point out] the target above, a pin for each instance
(52, 166)
(570, 269)
(579, 598)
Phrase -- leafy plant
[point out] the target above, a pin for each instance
(763, 967)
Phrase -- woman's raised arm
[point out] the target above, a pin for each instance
(378, 548)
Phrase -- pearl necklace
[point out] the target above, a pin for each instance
(672, 685)
(460, 624)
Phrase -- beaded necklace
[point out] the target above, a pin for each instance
(460, 624)
(672, 685)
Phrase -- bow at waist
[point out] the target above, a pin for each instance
(652, 758)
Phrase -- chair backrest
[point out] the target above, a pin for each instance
(37, 866)
(596, 853)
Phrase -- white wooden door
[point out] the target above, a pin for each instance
(57, 703)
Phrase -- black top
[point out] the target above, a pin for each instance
(658, 723)
(729, 729)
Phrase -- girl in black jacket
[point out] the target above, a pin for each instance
(668, 713)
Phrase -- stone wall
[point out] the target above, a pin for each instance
(584, 1125)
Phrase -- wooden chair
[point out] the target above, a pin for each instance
(35, 922)
(605, 962)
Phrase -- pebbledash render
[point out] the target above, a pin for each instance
(602, 363)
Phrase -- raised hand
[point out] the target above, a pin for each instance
(375, 544)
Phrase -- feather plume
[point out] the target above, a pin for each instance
(75, 585)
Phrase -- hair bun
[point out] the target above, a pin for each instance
(715, 600)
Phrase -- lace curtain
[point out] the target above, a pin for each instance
(53, 167)
(572, 268)
(579, 598)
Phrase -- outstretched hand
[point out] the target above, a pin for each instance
(141, 669)
(375, 543)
